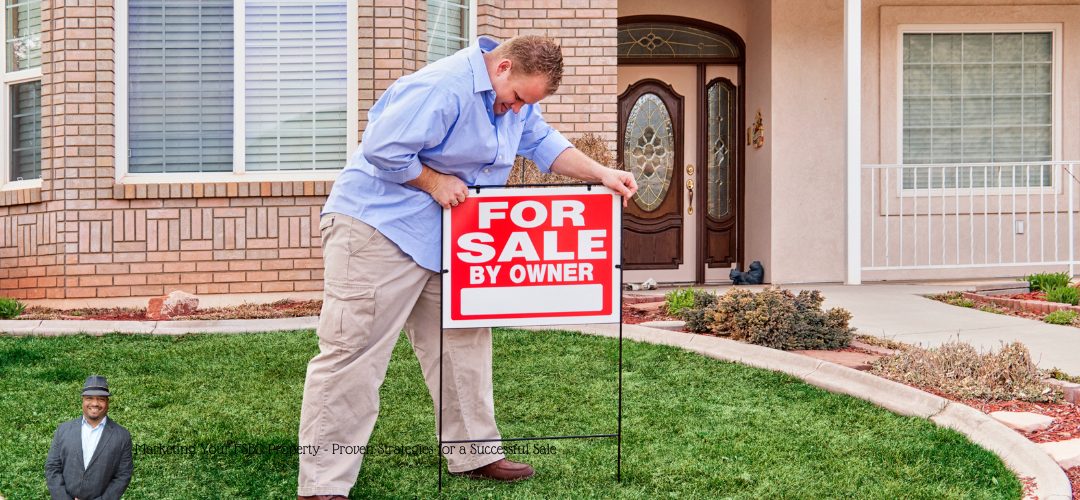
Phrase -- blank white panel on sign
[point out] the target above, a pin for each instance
(532, 299)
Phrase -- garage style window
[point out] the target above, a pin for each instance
(978, 98)
(247, 86)
(20, 91)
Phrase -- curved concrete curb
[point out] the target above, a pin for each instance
(1024, 457)
(54, 328)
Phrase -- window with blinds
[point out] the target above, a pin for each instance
(26, 131)
(183, 96)
(977, 98)
(296, 77)
(447, 27)
(20, 88)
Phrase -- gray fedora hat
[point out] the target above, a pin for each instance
(96, 385)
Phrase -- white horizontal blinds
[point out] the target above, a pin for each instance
(26, 131)
(180, 85)
(977, 98)
(22, 40)
(447, 27)
(296, 81)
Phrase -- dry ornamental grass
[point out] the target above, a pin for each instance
(958, 369)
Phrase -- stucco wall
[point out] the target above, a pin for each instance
(963, 240)
(758, 197)
(808, 141)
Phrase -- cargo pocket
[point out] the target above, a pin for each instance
(347, 315)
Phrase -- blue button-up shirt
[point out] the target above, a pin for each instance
(442, 117)
(90, 438)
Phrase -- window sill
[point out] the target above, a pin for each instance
(224, 185)
(20, 192)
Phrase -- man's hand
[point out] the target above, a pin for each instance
(573, 163)
(621, 182)
(447, 190)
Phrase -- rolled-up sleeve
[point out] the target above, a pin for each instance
(414, 116)
(539, 142)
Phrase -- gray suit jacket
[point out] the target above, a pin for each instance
(109, 471)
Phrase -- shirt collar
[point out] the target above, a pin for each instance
(101, 425)
(481, 79)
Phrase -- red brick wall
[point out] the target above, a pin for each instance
(83, 236)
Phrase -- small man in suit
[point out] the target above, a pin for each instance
(90, 456)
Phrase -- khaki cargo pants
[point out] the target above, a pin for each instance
(373, 289)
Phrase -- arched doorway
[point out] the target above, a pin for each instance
(680, 131)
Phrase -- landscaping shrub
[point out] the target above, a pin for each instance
(782, 320)
(1060, 317)
(10, 308)
(954, 298)
(958, 369)
(677, 300)
(1064, 295)
(1044, 282)
(698, 315)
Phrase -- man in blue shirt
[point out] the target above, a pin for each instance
(455, 123)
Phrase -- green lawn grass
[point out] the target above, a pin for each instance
(693, 427)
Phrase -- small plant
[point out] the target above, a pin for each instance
(991, 309)
(954, 298)
(1045, 282)
(10, 308)
(698, 314)
(678, 300)
(1064, 295)
(1061, 317)
(957, 368)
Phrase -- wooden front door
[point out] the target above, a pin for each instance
(679, 135)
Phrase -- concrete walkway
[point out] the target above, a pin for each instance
(899, 311)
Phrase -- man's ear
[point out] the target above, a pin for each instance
(504, 65)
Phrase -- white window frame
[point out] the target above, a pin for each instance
(7, 80)
(1057, 42)
(239, 172)
(470, 35)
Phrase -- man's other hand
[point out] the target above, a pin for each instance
(447, 190)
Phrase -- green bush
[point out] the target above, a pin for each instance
(1064, 295)
(679, 299)
(1045, 282)
(781, 320)
(699, 315)
(1060, 317)
(10, 308)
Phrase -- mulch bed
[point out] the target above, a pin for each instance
(1066, 417)
(1028, 296)
(634, 316)
(279, 309)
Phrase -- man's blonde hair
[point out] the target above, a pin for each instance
(534, 55)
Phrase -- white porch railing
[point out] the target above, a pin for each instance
(976, 215)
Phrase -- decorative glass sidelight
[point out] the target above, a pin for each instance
(721, 110)
(649, 150)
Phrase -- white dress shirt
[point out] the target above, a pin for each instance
(90, 438)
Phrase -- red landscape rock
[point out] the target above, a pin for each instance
(177, 303)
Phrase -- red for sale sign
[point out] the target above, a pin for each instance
(532, 256)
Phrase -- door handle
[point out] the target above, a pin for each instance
(690, 191)
(690, 188)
